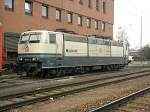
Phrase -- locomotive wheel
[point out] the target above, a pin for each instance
(53, 72)
(104, 68)
(87, 69)
(81, 70)
(68, 71)
(117, 67)
(32, 72)
(28, 74)
(109, 68)
(59, 72)
(40, 74)
(19, 70)
(19, 73)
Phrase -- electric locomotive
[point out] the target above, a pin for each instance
(47, 53)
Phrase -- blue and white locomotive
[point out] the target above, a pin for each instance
(49, 53)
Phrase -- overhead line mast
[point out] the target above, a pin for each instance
(141, 31)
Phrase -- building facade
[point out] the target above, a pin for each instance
(85, 17)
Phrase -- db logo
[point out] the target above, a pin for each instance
(26, 48)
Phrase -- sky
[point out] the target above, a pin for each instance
(128, 16)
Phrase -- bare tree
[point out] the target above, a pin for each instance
(122, 35)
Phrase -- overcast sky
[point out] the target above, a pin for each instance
(128, 15)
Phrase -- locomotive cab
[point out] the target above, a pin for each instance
(38, 49)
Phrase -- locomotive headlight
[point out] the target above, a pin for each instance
(33, 59)
(20, 59)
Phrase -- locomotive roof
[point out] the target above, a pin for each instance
(39, 31)
(74, 35)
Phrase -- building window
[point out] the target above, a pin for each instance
(80, 2)
(104, 7)
(28, 7)
(103, 26)
(58, 15)
(96, 24)
(88, 22)
(97, 5)
(80, 20)
(89, 4)
(44, 11)
(69, 17)
(9, 4)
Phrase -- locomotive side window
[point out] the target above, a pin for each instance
(106, 42)
(52, 38)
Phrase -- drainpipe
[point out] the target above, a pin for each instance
(1, 46)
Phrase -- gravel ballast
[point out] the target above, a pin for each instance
(85, 101)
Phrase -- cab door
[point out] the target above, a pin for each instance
(59, 49)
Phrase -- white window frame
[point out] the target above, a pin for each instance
(44, 11)
(70, 18)
(79, 20)
(97, 5)
(103, 25)
(58, 15)
(96, 24)
(28, 7)
(9, 4)
(88, 22)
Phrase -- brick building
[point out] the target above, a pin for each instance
(85, 17)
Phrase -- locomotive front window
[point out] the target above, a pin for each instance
(30, 37)
(25, 38)
(35, 38)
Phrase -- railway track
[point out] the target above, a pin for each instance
(25, 98)
(135, 102)
(5, 78)
(59, 82)
(9, 83)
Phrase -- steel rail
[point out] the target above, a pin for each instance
(121, 101)
(55, 78)
(58, 92)
(7, 80)
(39, 90)
(86, 75)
